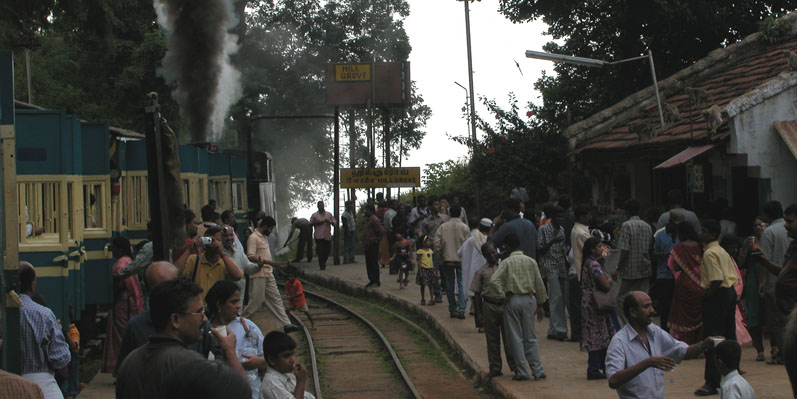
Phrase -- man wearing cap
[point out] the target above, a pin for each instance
(473, 260)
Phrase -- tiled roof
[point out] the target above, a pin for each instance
(743, 74)
(733, 80)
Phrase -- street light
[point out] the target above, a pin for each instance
(590, 62)
(467, 97)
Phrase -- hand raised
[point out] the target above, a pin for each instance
(300, 372)
(661, 362)
(254, 362)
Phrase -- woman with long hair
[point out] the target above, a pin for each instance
(597, 328)
(754, 306)
(686, 311)
(128, 301)
(223, 306)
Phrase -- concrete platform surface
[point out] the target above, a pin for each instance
(565, 365)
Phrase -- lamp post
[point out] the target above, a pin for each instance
(472, 100)
(590, 62)
(467, 98)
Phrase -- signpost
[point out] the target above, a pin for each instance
(380, 177)
(352, 72)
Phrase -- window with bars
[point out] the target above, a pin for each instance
(220, 191)
(135, 202)
(40, 211)
(94, 197)
(239, 196)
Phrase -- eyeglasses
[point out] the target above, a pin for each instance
(203, 312)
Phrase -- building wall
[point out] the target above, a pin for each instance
(752, 134)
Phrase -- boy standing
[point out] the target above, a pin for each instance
(295, 294)
(733, 385)
(285, 378)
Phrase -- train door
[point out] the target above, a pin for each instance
(48, 163)
(97, 222)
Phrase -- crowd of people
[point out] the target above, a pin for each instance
(705, 284)
(177, 328)
(186, 326)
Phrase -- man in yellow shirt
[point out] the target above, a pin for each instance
(718, 277)
(211, 266)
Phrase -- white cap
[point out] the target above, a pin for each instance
(486, 222)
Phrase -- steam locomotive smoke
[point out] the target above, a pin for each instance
(198, 59)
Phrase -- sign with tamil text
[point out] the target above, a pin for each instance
(353, 72)
(380, 177)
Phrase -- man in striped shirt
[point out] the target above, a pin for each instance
(634, 264)
(44, 348)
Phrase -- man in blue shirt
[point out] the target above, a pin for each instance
(511, 222)
(648, 350)
(664, 240)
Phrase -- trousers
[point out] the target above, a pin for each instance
(348, 245)
(322, 248)
(557, 292)
(494, 333)
(596, 361)
(452, 271)
(305, 241)
(719, 319)
(574, 308)
(664, 291)
(519, 325)
(46, 381)
(263, 293)
(372, 262)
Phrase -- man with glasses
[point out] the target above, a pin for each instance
(177, 313)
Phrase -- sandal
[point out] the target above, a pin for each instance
(760, 357)
(774, 361)
(705, 391)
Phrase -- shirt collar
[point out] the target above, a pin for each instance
(634, 218)
(516, 253)
(712, 244)
(729, 376)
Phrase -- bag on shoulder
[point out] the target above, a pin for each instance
(601, 301)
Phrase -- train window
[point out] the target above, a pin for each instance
(136, 202)
(220, 191)
(39, 212)
(94, 201)
(239, 196)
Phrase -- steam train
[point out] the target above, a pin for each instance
(80, 184)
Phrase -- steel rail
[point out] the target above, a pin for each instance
(404, 376)
(313, 359)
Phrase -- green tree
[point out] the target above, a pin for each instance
(677, 31)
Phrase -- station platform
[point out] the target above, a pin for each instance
(565, 365)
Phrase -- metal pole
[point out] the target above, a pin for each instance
(386, 122)
(27, 72)
(470, 75)
(336, 188)
(158, 211)
(656, 86)
(472, 101)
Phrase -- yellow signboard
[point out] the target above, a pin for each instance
(380, 177)
(353, 72)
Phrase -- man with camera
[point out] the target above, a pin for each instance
(210, 266)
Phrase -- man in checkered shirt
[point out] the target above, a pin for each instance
(634, 265)
(44, 348)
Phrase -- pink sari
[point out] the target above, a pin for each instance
(686, 311)
(128, 302)
(742, 336)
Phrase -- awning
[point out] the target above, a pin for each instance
(788, 132)
(684, 156)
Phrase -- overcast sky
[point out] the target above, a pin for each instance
(439, 58)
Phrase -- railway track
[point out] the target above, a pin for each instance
(353, 350)
(361, 350)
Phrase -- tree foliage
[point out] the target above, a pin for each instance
(677, 31)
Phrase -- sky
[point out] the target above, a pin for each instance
(436, 29)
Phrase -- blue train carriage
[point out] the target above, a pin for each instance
(51, 215)
(194, 173)
(227, 184)
(131, 204)
(260, 187)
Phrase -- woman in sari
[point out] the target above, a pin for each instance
(753, 303)
(686, 313)
(597, 328)
(128, 302)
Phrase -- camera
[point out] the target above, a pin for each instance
(206, 240)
